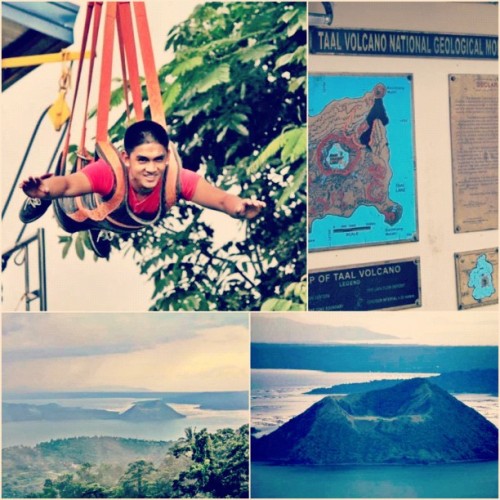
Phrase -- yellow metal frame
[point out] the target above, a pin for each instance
(17, 62)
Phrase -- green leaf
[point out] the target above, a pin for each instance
(221, 74)
(256, 52)
(269, 151)
(184, 66)
(80, 252)
(295, 145)
(239, 117)
(298, 307)
(277, 305)
(221, 134)
(66, 247)
(170, 95)
(297, 184)
(241, 129)
(283, 60)
(296, 83)
(288, 15)
(300, 54)
(116, 98)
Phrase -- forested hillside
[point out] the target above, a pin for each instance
(199, 464)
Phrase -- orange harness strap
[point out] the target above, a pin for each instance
(125, 81)
(95, 33)
(88, 19)
(106, 71)
(152, 83)
(126, 40)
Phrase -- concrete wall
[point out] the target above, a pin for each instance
(437, 241)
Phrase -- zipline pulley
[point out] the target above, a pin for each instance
(60, 112)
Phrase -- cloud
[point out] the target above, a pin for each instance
(474, 327)
(192, 352)
(45, 335)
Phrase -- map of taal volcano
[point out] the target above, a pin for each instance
(350, 165)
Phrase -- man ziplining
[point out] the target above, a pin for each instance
(105, 199)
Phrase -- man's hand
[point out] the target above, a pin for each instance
(248, 209)
(36, 187)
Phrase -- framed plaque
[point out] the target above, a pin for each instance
(379, 285)
(474, 147)
(477, 278)
(362, 188)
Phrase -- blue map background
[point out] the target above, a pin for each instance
(324, 89)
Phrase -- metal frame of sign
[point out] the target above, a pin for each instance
(463, 289)
(412, 169)
(370, 270)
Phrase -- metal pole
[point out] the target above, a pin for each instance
(42, 270)
(27, 277)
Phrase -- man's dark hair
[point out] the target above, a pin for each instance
(144, 132)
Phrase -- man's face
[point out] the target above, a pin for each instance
(146, 164)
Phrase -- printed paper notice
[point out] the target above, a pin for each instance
(474, 144)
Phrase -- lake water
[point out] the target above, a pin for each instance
(278, 395)
(471, 480)
(34, 432)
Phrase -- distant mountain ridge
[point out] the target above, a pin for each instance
(377, 358)
(414, 421)
(287, 330)
(221, 400)
(472, 381)
(140, 411)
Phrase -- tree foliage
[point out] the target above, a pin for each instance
(219, 466)
(137, 480)
(234, 96)
(202, 464)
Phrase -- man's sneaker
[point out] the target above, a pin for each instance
(33, 209)
(100, 241)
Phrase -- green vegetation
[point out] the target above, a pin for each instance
(234, 96)
(199, 465)
(413, 422)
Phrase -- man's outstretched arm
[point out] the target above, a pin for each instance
(48, 186)
(212, 197)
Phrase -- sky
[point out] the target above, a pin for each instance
(407, 327)
(135, 351)
(74, 285)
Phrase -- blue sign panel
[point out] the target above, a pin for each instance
(401, 43)
(387, 285)
(362, 188)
